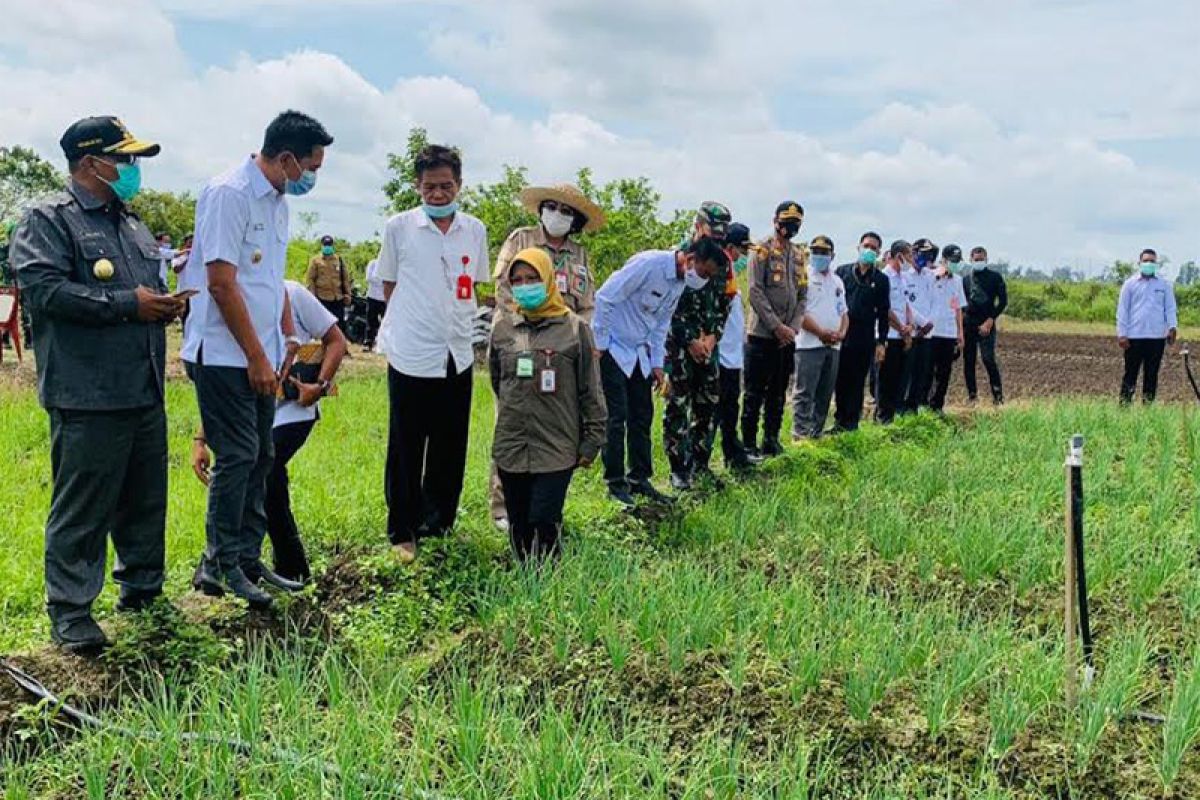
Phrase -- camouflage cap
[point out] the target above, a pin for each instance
(822, 242)
(716, 216)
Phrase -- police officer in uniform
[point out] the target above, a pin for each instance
(89, 270)
(693, 363)
(778, 279)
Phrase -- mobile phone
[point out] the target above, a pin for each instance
(186, 294)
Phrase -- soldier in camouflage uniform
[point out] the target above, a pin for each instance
(692, 363)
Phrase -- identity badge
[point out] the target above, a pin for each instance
(549, 382)
(525, 365)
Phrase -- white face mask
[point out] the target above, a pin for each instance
(693, 280)
(557, 223)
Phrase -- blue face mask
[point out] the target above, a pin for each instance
(868, 257)
(1149, 268)
(308, 179)
(128, 182)
(821, 263)
(921, 262)
(440, 212)
(530, 296)
(327, 250)
(739, 266)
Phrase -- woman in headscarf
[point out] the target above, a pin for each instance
(563, 212)
(550, 408)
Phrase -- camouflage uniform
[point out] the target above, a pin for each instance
(691, 408)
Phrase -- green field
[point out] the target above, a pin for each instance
(878, 615)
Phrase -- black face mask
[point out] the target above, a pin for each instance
(789, 229)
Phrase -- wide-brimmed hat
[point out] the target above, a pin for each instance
(533, 196)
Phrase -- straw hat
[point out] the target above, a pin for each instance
(532, 196)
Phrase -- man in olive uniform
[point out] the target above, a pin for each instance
(778, 280)
(89, 270)
(329, 281)
(692, 362)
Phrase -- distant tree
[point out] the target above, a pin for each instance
(401, 187)
(308, 224)
(1119, 272)
(1189, 274)
(1065, 273)
(498, 207)
(169, 212)
(633, 224)
(25, 178)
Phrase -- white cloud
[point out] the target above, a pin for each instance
(994, 137)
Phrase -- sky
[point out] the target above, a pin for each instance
(1056, 132)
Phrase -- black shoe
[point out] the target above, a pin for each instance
(236, 582)
(754, 455)
(648, 491)
(137, 601)
(205, 582)
(81, 636)
(772, 448)
(258, 573)
(623, 497)
(681, 482)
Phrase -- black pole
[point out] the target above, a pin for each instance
(1187, 367)
(1085, 627)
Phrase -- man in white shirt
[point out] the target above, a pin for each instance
(376, 304)
(822, 329)
(900, 333)
(946, 341)
(238, 335)
(633, 314)
(295, 416)
(433, 258)
(1147, 321)
(918, 367)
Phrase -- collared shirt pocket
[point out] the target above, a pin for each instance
(103, 263)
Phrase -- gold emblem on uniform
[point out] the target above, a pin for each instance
(103, 269)
(256, 257)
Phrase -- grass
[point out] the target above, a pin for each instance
(877, 615)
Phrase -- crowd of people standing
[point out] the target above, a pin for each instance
(574, 366)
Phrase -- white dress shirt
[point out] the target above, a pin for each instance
(243, 220)
(732, 349)
(897, 300)
(1146, 308)
(825, 304)
(948, 297)
(425, 321)
(312, 321)
(374, 282)
(918, 289)
(634, 309)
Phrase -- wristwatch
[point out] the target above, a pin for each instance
(293, 340)
(325, 386)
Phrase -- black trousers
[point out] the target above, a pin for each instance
(945, 352)
(428, 428)
(109, 473)
(728, 411)
(237, 424)
(918, 376)
(891, 381)
(534, 501)
(769, 367)
(976, 345)
(375, 309)
(286, 545)
(854, 365)
(630, 402)
(338, 309)
(1144, 355)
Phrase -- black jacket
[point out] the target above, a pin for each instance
(987, 294)
(93, 353)
(868, 303)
